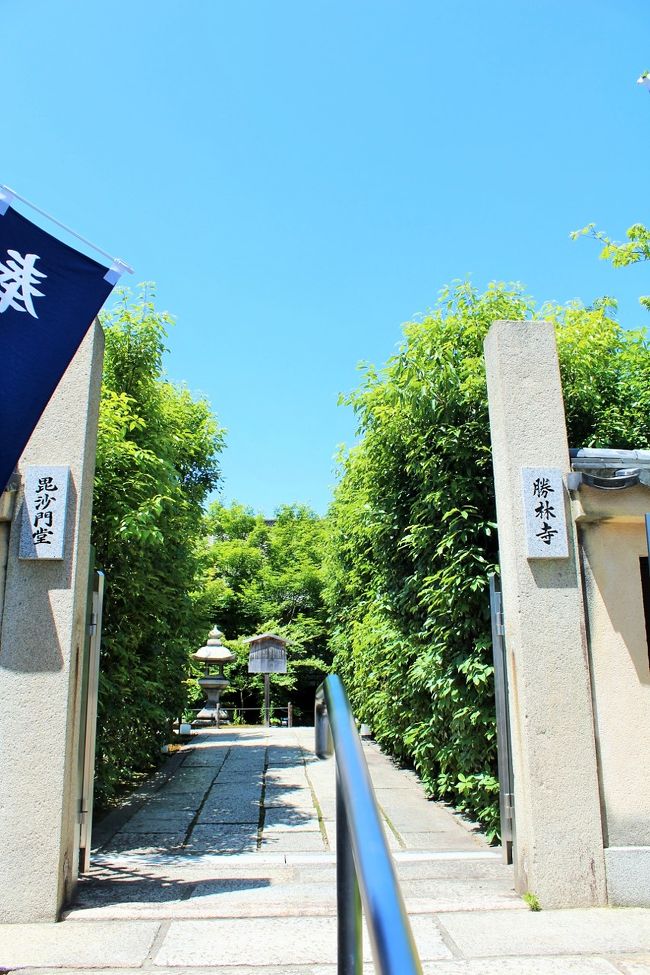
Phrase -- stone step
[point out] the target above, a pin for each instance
(578, 942)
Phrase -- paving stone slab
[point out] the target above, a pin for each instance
(423, 897)
(190, 780)
(204, 970)
(232, 905)
(595, 931)
(418, 816)
(287, 773)
(110, 892)
(252, 776)
(145, 842)
(285, 761)
(227, 818)
(223, 839)
(448, 869)
(523, 966)
(243, 756)
(287, 819)
(169, 802)
(428, 938)
(393, 782)
(210, 830)
(287, 842)
(280, 941)
(330, 829)
(191, 897)
(277, 941)
(288, 786)
(91, 944)
(632, 966)
(314, 761)
(235, 902)
(295, 799)
(231, 790)
(204, 758)
(296, 787)
(452, 839)
(159, 820)
(247, 813)
(185, 863)
(233, 777)
(227, 789)
(253, 763)
(434, 874)
(258, 899)
(284, 756)
(323, 768)
(528, 966)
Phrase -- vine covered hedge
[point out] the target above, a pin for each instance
(413, 534)
(267, 575)
(156, 464)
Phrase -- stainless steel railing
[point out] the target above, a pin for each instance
(364, 868)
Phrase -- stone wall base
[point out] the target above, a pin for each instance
(628, 876)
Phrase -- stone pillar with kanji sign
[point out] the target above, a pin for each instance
(43, 633)
(559, 842)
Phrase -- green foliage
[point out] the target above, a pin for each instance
(532, 900)
(413, 536)
(268, 576)
(156, 462)
(622, 254)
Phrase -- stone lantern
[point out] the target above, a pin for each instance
(214, 655)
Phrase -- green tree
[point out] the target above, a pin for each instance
(412, 526)
(156, 463)
(619, 253)
(268, 575)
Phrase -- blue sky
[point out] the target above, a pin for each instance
(302, 176)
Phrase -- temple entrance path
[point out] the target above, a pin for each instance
(227, 865)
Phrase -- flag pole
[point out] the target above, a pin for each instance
(7, 195)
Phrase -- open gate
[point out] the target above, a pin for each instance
(88, 728)
(504, 749)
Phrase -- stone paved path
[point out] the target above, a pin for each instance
(228, 866)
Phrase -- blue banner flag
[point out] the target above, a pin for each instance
(49, 297)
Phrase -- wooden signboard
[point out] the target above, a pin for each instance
(267, 655)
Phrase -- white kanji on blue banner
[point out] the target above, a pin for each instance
(18, 280)
(49, 296)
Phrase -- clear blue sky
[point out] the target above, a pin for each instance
(301, 176)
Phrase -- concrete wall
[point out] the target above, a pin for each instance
(612, 537)
(41, 644)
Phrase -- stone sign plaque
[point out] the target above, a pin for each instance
(42, 532)
(543, 494)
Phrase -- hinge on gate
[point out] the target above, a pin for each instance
(498, 619)
(92, 626)
(509, 805)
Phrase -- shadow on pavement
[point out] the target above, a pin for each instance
(120, 884)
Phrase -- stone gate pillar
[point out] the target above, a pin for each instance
(559, 842)
(41, 648)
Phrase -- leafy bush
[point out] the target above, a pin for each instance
(267, 575)
(156, 463)
(412, 526)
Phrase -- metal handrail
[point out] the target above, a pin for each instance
(364, 868)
